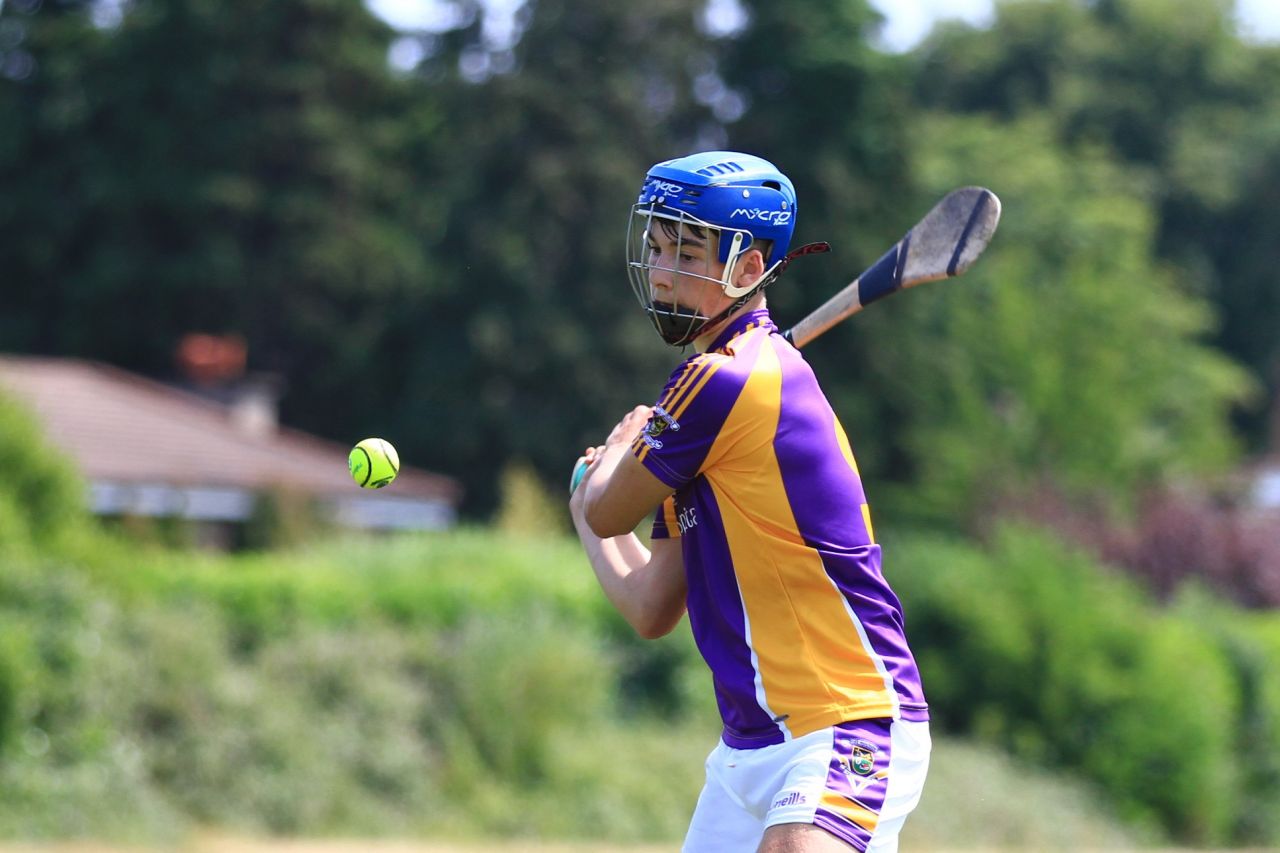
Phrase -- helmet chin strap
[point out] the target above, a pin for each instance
(770, 276)
(737, 303)
(682, 326)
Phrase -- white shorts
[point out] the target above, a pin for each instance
(857, 780)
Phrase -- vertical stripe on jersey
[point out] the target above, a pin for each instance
(791, 605)
(718, 619)
(825, 494)
(762, 696)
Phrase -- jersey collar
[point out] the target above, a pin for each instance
(743, 323)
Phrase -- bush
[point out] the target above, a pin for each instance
(8, 698)
(281, 519)
(1031, 646)
(1173, 538)
(316, 732)
(46, 634)
(65, 767)
(1252, 643)
(511, 683)
(527, 507)
(357, 689)
(42, 498)
(463, 684)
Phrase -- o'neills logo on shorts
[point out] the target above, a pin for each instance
(795, 798)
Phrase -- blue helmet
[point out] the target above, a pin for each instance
(728, 190)
(742, 198)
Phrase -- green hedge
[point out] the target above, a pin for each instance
(42, 498)
(461, 684)
(1252, 642)
(1030, 645)
(351, 690)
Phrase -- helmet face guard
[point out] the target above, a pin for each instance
(689, 272)
(724, 203)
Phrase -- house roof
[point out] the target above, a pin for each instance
(122, 428)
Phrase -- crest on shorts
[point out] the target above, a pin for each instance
(862, 758)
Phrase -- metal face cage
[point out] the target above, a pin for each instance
(684, 250)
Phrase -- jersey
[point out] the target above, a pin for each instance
(786, 598)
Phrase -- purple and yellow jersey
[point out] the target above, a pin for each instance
(786, 598)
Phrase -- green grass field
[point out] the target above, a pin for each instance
(222, 844)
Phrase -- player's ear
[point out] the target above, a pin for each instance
(750, 268)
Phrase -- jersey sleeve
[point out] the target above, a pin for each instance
(665, 521)
(687, 418)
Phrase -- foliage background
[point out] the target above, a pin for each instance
(430, 250)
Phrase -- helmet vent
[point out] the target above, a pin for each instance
(726, 168)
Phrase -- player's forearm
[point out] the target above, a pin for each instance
(648, 591)
(613, 496)
(595, 486)
(618, 563)
(620, 493)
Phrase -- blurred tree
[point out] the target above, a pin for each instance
(835, 115)
(1070, 356)
(43, 163)
(436, 255)
(534, 346)
(199, 165)
(1167, 85)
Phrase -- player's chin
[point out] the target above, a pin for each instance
(676, 326)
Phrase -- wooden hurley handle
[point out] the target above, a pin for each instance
(942, 245)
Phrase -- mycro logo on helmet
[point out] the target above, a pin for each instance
(664, 187)
(773, 217)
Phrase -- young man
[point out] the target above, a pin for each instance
(761, 532)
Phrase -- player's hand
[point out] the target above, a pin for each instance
(630, 425)
(591, 458)
(623, 434)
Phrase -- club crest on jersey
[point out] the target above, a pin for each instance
(659, 423)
